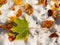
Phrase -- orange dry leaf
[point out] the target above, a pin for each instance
(18, 2)
(45, 3)
(28, 9)
(12, 8)
(50, 24)
(40, 2)
(44, 24)
(2, 2)
(19, 13)
(47, 24)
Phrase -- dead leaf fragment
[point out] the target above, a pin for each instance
(12, 8)
(54, 35)
(47, 24)
(45, 3)
(6, 27)
(0, 12)
(55, 0)
(55, 7)
(18, 2)
(2, 2)
(19, 13)
(40, 2)
(28, 9)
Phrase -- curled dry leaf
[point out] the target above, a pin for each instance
(19, 13)
(54, 35)
(28, 9)
(18, 2)
(12, 8)
(47, 24)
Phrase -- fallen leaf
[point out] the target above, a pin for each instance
(21, 28)
(28, 9)
(19, 13)
(18, 2)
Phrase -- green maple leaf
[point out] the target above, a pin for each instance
(21, 29)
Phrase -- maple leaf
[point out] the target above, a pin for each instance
(21, 28)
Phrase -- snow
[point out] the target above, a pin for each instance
(40, 14)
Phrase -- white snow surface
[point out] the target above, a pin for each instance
(38, 39)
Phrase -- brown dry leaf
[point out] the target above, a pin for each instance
(40, 2)
(18, 2)
(11, 38)
(12, 8)
(0, 12)
(50, 12)
(6, 27)
(44, 24)
(56, 0)
(54, 35)
(50, 23)
(28, 9)
(19, 13)
(45, 3)
(2, 2)
(47, 24)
